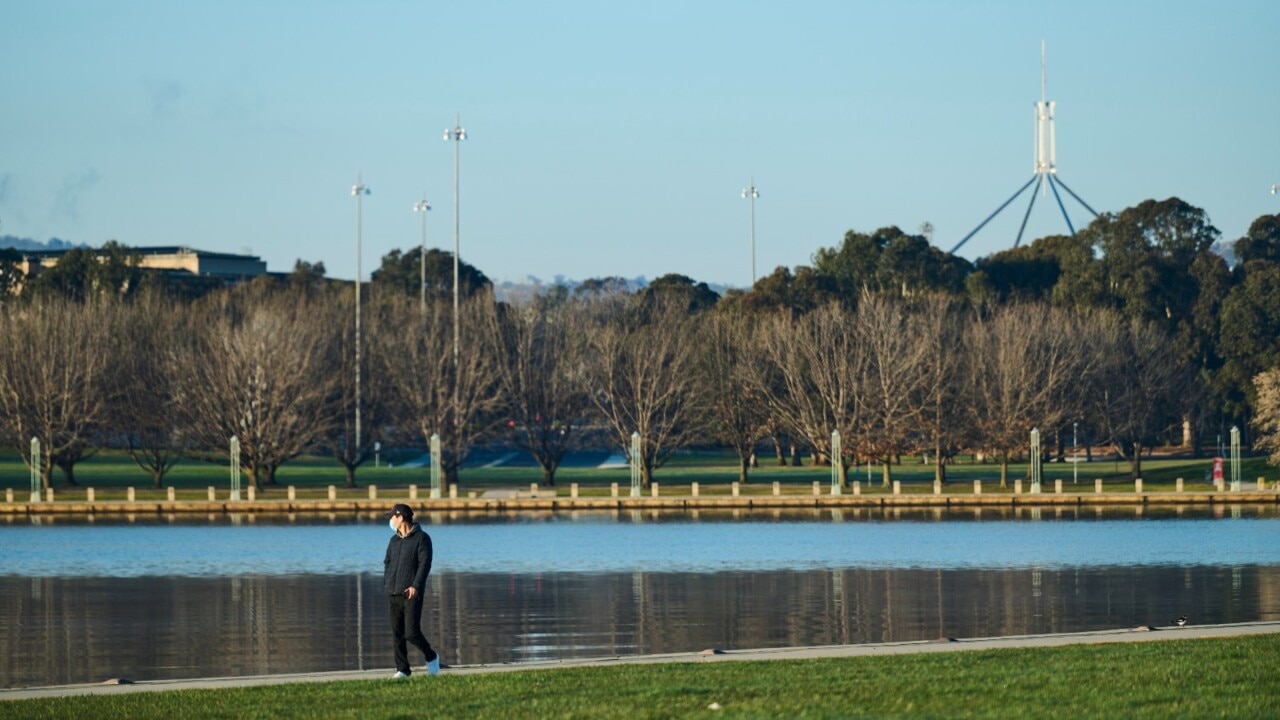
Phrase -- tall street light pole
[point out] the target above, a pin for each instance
(359, 190)
(423, 206)
(751, 194)
(457, 135)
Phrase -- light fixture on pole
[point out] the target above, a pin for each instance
(457, 135)
(1075, 453)
(1235, 459)
(423, 206)
(750, 193)
(359, 190)
(1035, 459)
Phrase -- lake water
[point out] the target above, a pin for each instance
(154, 598)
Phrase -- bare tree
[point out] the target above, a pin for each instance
(1267, 413)
(1024, 359)
(542, 379)
(642, 376)
(940, 327)
(895, 377)
(143, 416)
(814, 375)
(431, 394)
(738, 412)
(256, 366)
(337, 311)
(1140, 385)
(56, 378)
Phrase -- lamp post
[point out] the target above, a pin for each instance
(751, 194)
(1035, 460)
(359, 190)
(423, 206)
(1075, 452)
(457, 134)
(1235, 459)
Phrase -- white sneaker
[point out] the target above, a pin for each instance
(399, 675)
(433, 667)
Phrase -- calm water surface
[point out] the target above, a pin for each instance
(82, 601)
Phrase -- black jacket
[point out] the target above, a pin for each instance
(408, 562)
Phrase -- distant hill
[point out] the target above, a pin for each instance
(1227, 249)
(508, 291)
(17, 243)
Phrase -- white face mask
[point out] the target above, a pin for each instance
(392, 524)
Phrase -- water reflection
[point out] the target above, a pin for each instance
(156, 597)
(59, 630)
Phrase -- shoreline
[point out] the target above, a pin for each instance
(514, 502)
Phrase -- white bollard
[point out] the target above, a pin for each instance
(212, 494)
(653, 489)
(1057, 487)
(173, 495)
(252, 493)
(1017, 487)
(735, 489)
(817, 488)
(573, 490)
(777, 488)
(453, 492)
(373, 492)
(8, 494)
(129, 494)
(293, 493)
(977, 487)
(693, 489)
(533, 489)
(1137, 486)
(897, 487)
(613, 490)
(1097, 485)
(88, 495)
(1177, 485)
(413, 492)
(48, 494)
(333, 492)
(857, 487)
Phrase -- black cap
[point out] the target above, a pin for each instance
(402, 510)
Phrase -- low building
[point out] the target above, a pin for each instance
(228, 267)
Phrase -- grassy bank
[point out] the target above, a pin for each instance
(110, 472)
(1178, 678)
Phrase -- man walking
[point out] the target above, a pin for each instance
(404, 579)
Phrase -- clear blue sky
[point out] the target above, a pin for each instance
(614, 138)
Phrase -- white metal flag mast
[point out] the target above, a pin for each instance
(1045, 166)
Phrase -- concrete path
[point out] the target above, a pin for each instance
(1140, 634)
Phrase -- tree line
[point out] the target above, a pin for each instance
(1133, 331)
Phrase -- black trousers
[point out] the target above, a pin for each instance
(406, 627)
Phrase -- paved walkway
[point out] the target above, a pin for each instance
(1140, 634)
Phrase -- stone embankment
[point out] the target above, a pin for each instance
(217, 501)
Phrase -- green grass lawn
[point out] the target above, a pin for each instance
(110, 472)
(1232, 677)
